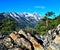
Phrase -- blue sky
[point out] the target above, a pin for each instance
(39, 6)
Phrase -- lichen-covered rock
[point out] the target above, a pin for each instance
(18, 42)
(58, 29)
(13, 36)
(57, 40)
(3, 47)
(22, 32)
(53, 47)
(14, 49)
(26, 41)
(7, 42)
(36, 45)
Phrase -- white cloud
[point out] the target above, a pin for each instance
(39, 7)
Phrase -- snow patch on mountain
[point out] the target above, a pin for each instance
(24, 17)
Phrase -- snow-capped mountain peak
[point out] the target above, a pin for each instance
(24, 18)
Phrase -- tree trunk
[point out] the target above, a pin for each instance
(47, 25)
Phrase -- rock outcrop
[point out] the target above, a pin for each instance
(23, 40)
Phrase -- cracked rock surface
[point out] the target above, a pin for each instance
(26, 41)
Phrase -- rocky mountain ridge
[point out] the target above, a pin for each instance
(24, 18)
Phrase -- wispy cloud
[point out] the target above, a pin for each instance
(40, 7)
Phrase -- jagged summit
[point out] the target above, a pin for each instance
(24, 18)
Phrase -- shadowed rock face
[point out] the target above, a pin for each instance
(31, 35)
(3, 47)
(32, 48)
(36, 42)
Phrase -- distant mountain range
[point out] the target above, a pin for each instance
(23, 19)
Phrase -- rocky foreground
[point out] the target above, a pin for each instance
(23, 40)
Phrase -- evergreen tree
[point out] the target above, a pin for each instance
(48, 14)
(8, 25)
